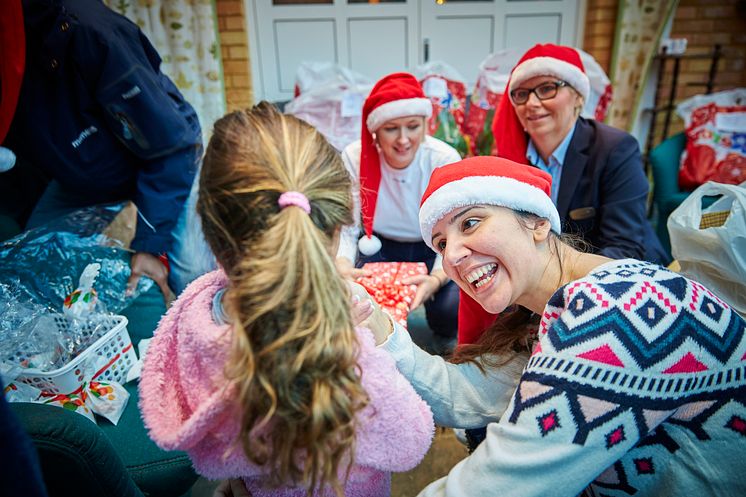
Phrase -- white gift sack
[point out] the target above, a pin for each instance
(313, 74)
(334, 109)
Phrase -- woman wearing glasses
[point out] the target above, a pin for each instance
(598, 181)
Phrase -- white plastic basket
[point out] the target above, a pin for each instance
(115, 345)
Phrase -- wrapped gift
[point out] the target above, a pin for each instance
(385, 286)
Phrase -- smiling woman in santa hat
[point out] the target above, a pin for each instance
(598, 181)
(637, 375)
(391, 166)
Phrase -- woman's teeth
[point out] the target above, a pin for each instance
(479, 277)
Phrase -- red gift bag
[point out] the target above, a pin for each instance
(385, 286)
(715, 139)
(446, 89)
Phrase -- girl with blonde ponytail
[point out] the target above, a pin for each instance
(257, 371)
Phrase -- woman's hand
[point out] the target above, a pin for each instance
(361, 309)
(427, 286)
(368, 314)
(348, 270)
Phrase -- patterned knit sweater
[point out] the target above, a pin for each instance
(636, 387)
(188, 405)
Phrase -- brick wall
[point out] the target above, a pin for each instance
(705, 23)
(235, 53)
(600, 24)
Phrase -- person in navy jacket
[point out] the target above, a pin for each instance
(96, 115)
(598, 181)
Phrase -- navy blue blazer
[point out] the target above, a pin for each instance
(603, 194)
(96, 114)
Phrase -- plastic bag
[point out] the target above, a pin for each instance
(312, 74)
(41, 267)
(715, 139)
(494, 72)
(714, 256)
(334, 108)
(446, 89)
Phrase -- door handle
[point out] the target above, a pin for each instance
(426, 49)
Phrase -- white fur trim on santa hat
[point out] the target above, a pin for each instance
(550, 66)
(396, 109)
(485, 190)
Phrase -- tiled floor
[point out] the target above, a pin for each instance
(445, 452)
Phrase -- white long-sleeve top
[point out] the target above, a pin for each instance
(399, 194)
(460, 395)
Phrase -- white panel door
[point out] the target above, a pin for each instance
(373, 39)
(395, 35)
(464, 32)
(296, 41)
(460, 33)
(378, 46)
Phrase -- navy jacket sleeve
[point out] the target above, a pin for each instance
(623, 202)
(149, 116)
(98, 116)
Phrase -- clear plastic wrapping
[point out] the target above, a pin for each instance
(40, 267)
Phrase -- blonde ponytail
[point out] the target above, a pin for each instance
(294, 357)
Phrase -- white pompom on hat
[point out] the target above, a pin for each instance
(393, 96)
(486, 180)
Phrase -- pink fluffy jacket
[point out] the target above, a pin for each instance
(187, 404)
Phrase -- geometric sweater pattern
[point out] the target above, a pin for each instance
(638, 380)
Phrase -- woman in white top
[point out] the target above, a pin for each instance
(391, 167)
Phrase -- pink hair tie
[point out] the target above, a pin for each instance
(294, 198)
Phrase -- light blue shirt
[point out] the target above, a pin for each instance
(556, 160)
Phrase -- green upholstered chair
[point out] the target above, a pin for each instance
(664, 162)
(8, 227)
(82, 459)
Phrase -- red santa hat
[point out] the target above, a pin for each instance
(394, 96)
(12, 60)
(484, 180)
(12, 63)
(541, 60)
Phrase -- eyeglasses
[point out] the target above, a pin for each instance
(544, 91)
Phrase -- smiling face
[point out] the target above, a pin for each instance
(491, 254)
(399, 139)
(546, 118)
